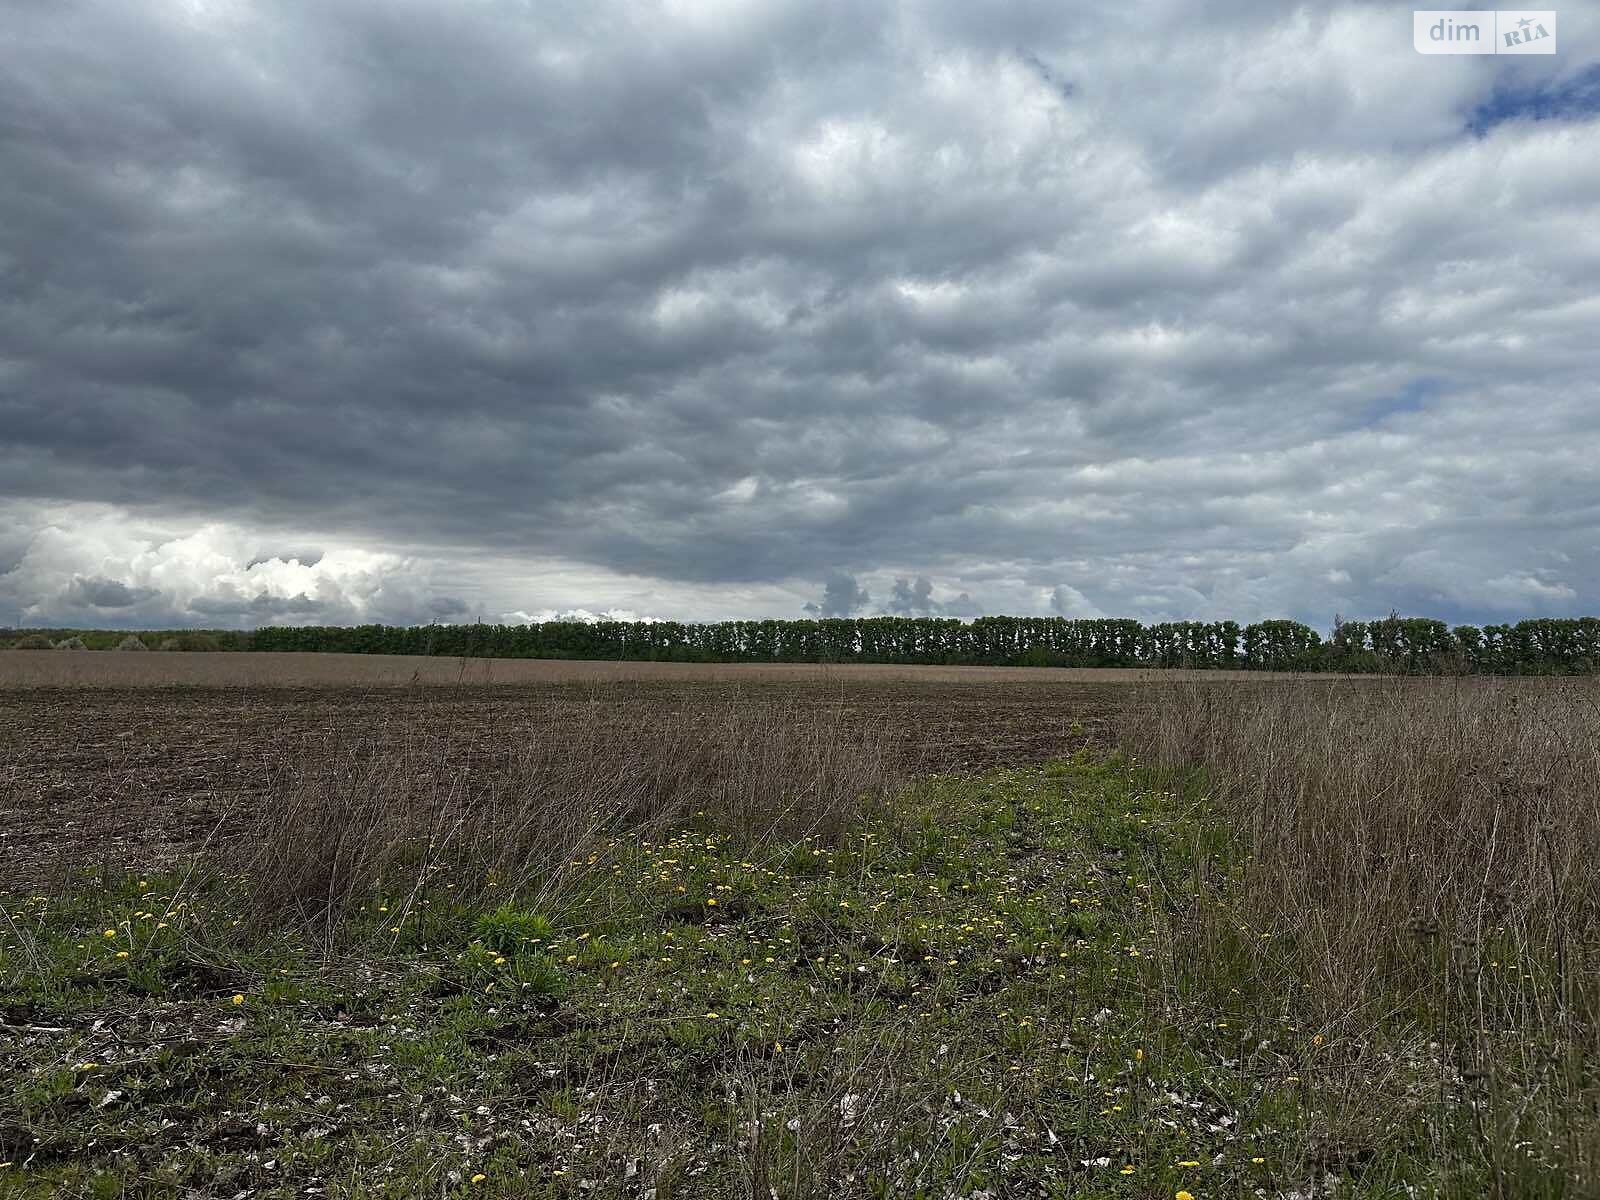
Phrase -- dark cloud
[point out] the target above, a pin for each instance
(260, 607)
(842, 596)
(106, 593)
(678, 309)
(916, 599)
(912, 599)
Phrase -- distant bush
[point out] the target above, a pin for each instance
(71, 643)
(33, 641)
(191, 641)
(131, 643)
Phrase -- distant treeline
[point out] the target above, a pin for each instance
(1410, 645)
(1393, 644)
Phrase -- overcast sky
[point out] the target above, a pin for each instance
(341, 310)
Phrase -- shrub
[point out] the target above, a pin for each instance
(191, 641)
(71, 643)
(33, 641)
(131, 643)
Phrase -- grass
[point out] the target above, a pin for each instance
(1093, 977)
(951, 994)
(1424, 856)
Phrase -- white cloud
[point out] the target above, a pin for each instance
(91, 564)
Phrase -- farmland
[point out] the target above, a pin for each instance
(284, 925)
(125, 758)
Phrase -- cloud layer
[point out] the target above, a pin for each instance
(372, 310)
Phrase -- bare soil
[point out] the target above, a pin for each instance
(133, 777)
(108, 668)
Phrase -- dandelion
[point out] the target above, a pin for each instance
(711, 1016)
(478, 1178)
(111, 933)
(1316, 1040)
(1184, 1195)
(1190, 1162)
(238, 998)
(1258, 1161)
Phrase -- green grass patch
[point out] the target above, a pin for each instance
(993, 987)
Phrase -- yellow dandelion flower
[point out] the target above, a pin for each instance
(238, 998)
(1183, 1195)
(711, 1016)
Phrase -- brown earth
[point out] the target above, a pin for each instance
(109, 668)
(131, 760)
(132, 777)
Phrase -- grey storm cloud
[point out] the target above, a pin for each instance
(106, 593)
(916, 599)
(842, 596)
(1161, 311)
(262, 605)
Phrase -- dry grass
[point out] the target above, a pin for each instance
(1420, 858)
(144, 776)
(357, 813)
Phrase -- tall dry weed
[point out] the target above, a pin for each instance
(1418, 863)
(355, 815)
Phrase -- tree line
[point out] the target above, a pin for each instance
(1412, 645)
